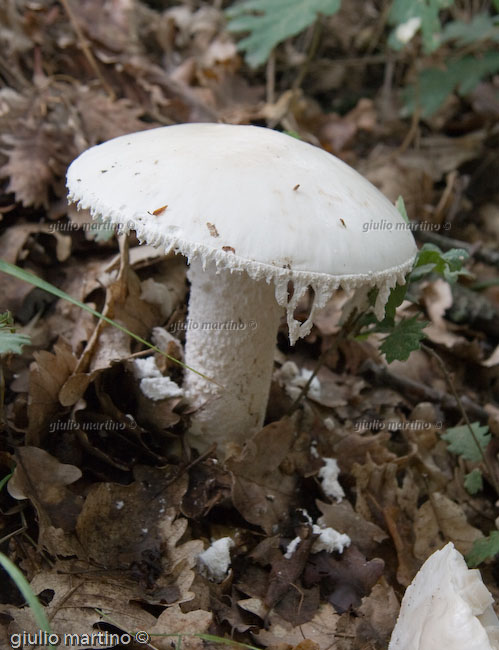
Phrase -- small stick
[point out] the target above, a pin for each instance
(86, 49)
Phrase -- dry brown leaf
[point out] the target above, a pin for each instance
(47, 376)
(42, 479)
(135, 314)
(136, 525)
(393, 177)
(381, 498)
(344, 580)
(320, 629)
(75, 599)
(12, 243)
(173, 620)
(437, 298)
(209, 484)
(378, 614)
(104, 119)
(36, 163)
(356, 447)
(261, 491)
(343, 518)
(438, 521)
(293, 603)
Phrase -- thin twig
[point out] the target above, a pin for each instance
(270, 79)
(410, 135)
(312, 51)
(86, 49)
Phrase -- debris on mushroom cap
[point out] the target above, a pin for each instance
(337, 230)
(446, 606)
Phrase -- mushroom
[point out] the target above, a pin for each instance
(446, 606)
(253, 210)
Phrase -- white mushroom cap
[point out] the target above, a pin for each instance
(446, 606)
(249, 199)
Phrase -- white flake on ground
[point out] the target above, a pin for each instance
(214, 562)
(328, 475)
(159, 294)
(157, 388)
(294, 379)
(291, 547)
(145, 368)
(152, 383)
(329, 540)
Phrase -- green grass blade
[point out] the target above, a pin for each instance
(28, 595)
(31, 278)
(5, 480)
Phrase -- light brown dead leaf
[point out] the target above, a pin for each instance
(36, 162)
(261, 491)
(104, 119)
(378, 614)
(136, 525)
(320, 629)
(173, 620)
(380, 498)
(437, 298)
(135, 314)
(42, 479)
(47, 376)
(343, 518)
(356, 448)
(74, 601)
(438, 521)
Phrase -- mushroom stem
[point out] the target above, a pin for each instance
(231, 336)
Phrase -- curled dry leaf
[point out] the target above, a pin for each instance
(438, 521)
(133, 313)
(173, 620)
(75, 599)
(136, 527)
(36, 164)
(377, 614)
(261, 491)
(291, 601)
(104, 119)
(47, 376)
(343, 518)
(437, 297)
(42, 479)
(346, 580)
(321, 630)
(380, 498)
